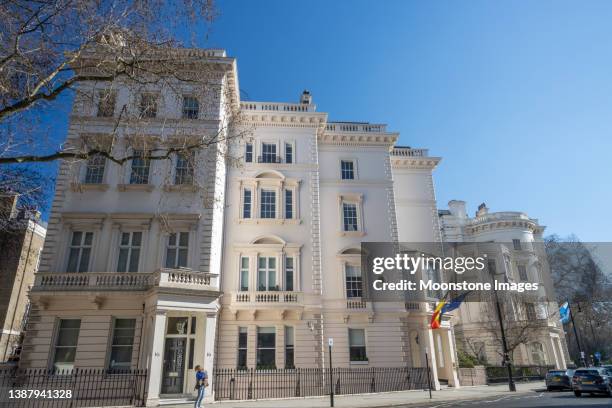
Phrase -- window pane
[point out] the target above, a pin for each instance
(357, 337)
(123, 256)
(65, 355)
(170, 258)
(68, 337)
(73, 260)
(134, 260)
(347, 170)
(194, 322)
(184, 239)
(177, 325)
(249, 153)
(191, 107)
(288, 153)
(125, 238)
(268, 204)
(191, 353)
(88, 238)
(289, 336)
(350, 216)
(76, 238)
(84, 264)
(136, 238)
(182, 258)
(272, 263)
(121, 356)
(288, 204)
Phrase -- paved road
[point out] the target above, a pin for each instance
(535, 399)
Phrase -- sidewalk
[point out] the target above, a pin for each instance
(389, 399)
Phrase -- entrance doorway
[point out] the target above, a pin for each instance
(179, 349)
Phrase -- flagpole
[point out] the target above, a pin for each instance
(576, 336)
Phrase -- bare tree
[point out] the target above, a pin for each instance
(51, 51)
(579, 278)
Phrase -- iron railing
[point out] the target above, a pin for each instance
(233, 384)
(499, 374)
(75, 388)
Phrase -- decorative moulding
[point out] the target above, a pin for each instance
(136, 187)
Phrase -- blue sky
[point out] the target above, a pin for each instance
(516, 97)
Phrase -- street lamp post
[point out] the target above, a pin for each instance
(511, 385)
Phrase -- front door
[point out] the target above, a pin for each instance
(174, 365)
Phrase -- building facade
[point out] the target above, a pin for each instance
(307, 193)
(130, 272)
(535, 333)
(246, 254)
(21, 244)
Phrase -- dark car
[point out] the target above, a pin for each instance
(594, 380)
(559, 380)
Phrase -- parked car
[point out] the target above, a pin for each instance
(559, 379)
(592, 380)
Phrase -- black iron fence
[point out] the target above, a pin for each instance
(232, 384)
(73, 388)
(499, 374)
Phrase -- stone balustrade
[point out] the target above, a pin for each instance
(355, 127)
(408, 152)
(277, 107)
(268, 297)
(127, 281)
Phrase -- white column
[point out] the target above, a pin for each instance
(431, 352)
(449, 354)
(157, 354)
(209, 351)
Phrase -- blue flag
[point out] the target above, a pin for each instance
(564, 313)
(454, 303)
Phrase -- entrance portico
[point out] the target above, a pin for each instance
(179, 335)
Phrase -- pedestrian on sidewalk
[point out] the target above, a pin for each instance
(201, 384)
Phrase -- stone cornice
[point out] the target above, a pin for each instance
(358, 138)
(285, 119)
(491, 225)
(428, 163)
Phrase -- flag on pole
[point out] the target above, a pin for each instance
(454, 303)
(436, 318)
(564, 313)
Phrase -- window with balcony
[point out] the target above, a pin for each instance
(64, 351)
(357, 345)
(244, 273)
(268, 204)
(288, 204)
(94, 169)
(106, 103)
(522, 270)
(289, 348)
(248, 153)
(184, 168)
(289, 273)
(516, 243)
(266, 273)
(247, 202)
(243, 337)
(268, 153)
(177, 250)
(80, 251)
(148, 105)
(288, 153)
(129, 251)
(266, 348)
(191, 107)
(354, 287)
(350, 220)
(141, 166)
(122, 344)
(347, 169)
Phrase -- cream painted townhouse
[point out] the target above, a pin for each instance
(243, 255)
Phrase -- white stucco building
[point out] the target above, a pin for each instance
(130, 272)
(167, 264)
(518, 238)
